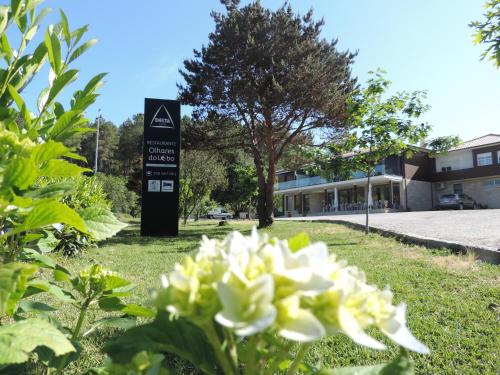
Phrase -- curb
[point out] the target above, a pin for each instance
(485, 254)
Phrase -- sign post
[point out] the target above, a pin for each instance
(160, 168)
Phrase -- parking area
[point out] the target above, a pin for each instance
(470, 228)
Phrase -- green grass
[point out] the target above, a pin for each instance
(447, 295)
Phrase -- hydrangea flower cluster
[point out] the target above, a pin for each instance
(252, 284)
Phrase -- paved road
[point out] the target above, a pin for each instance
(475, 228)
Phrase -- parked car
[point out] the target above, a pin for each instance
(456, 201)
(219, 213)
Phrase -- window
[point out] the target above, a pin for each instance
(492, 183)
(458, 189)
(445, 169)
(484, 159)
(498, 157)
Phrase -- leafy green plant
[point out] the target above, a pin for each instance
(32, 332)
(36, 187)
(31, 144)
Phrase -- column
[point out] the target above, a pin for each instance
(336, 200)
(325, 200)
(370, 199)
(391, 195)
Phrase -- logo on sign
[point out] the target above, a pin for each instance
(162, 119)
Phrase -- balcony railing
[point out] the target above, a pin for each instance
(304, 181)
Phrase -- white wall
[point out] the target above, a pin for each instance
(461, 159)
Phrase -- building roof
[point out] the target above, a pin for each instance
(485, 140)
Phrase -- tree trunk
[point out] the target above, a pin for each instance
(367, 213)
(265, 197)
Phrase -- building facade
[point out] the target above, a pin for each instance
(399, 183)
(472, 168)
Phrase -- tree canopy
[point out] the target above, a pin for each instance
(264, 79)
(487, 32)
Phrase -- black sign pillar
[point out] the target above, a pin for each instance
(160, 168)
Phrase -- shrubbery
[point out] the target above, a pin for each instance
(123, 200)
(43, 196)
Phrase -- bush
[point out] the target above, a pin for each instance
(123, 200)
(88, 191)
(85, 192)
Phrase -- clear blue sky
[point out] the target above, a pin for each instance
(422, 44)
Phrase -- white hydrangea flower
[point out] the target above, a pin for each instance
(251, 284)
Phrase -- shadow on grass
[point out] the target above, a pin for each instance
(189, 236)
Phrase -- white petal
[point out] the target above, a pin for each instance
(400, 334)
(351, 328)
(261, 290)
(226, 318)
(304, 327)
(313, 255)
(164, 281)
(259, 325)
(228, 297)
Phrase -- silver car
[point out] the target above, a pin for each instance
(456, 201)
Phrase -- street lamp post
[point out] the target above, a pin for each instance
(97, 142)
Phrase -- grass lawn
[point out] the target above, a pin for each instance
(447, 295)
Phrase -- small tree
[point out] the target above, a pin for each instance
(488, 32)
(200, 173)
(379, 128)
(265, 79)
(240, 194)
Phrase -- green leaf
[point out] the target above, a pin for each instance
(56, 190)
(34, 256)
(165, 335)
(49, 150)
(18, 340)
(48, 213)
(4, 18)
(62, 168)
(59, 83)
(94, 83)
(115, 304)
(299, 241)
(34, 306)
(113, 282)
(40, 286)
(65, 28)
(82, 49)
(15, 7)
(124, 323)
(54, 50)
(101, 222)
(13, 284)
(21, 105)
(20, 173)
(48, 242)
(401, 365)
(66, 126)
(5, 48)
(41, 15)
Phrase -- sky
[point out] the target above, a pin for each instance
(422, 44)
